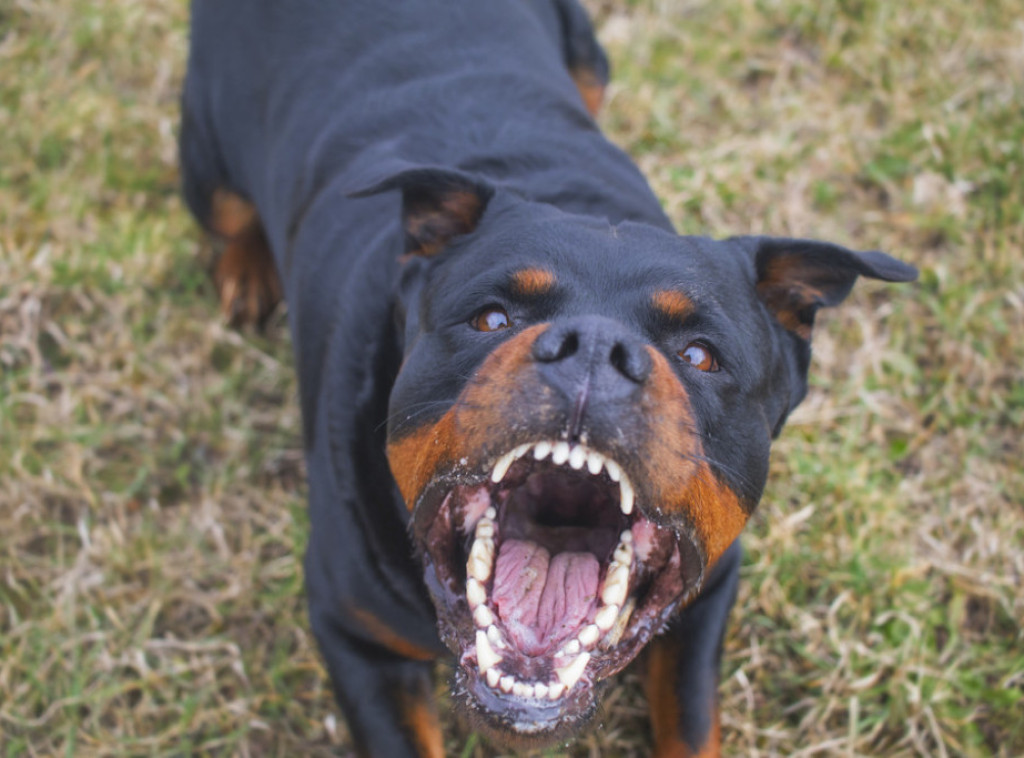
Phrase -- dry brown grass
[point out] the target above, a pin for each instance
(151, 495)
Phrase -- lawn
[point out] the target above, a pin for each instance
(152, 514)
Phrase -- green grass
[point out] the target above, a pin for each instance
(151, 480)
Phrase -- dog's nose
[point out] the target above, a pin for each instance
(592, 354)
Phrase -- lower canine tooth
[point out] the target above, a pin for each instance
(486, 658)
(569, 675)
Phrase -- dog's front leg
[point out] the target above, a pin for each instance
(388, 699)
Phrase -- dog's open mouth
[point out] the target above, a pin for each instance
(548, 578)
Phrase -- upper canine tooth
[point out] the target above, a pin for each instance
(560, 452)
(614, 472)
(626, 492)
(595, 462)
(577, 457)
(569, 675)
(542, 450)
(485, 655)
(501, 467)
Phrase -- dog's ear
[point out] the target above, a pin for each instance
(797, 277)
(437, 205)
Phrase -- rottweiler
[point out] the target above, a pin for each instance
(535, 418)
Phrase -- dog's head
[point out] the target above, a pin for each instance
(581, 426)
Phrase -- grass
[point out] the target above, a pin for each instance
(151, 482)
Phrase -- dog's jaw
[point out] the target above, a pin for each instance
(548, 578)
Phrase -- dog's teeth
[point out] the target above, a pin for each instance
(577, 457)
(485, 655)
(491, 513)
(485, 529)
(555, 690)
(519, 689)
(626, 491)
(494, 637)
(595, 462)
(483, 617)
(560, 453)
(612, 638)
(506, 683)
(605, 618)
(475, 593)
(571, 647)
(615, 585)
(520, 451)
(626, 536)
(493, 675)
(569, 675)
(540, 690)
(542, 450)
(588, 635)
(479, 568)
(614, 472)
(501, 467)
(623, 554)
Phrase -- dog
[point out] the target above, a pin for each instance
(535, 418)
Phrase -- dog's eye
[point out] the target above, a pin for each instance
(699, 355)
(491, 320)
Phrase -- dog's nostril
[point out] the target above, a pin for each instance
(556, 345)
(631, 362)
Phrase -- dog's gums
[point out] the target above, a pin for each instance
(551, 578)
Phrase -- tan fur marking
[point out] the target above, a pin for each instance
(663, 703)
(591, 88)
(673, 304)
(419, 717)
(533, 281)
(388, 637)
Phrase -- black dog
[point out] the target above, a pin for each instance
(524, 397)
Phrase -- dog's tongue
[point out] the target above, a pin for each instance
(542, 600)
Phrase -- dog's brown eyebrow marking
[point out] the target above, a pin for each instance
(675, 305)
(532, 282)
